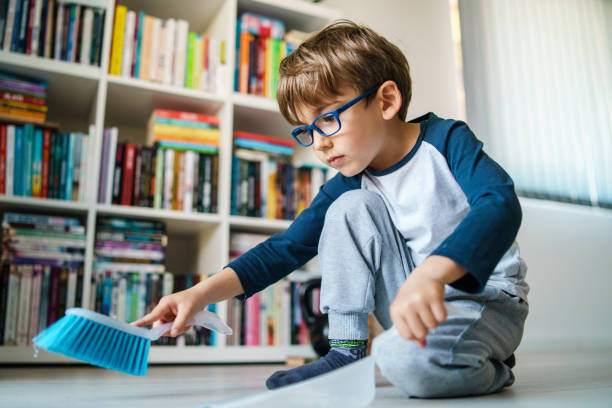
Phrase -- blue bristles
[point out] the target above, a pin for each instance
(96, 343)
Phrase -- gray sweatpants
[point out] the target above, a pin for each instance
(364, 261)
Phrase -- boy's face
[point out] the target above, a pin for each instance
(353, 148)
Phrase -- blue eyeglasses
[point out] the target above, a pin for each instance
(326, 124)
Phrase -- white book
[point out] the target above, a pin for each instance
(10, 158)
(169, 43)
(123, 311)
(44, 298)
(168, 178)
(12, 307)
(180, 56)
(168, 284)
(36, 27)
(153, 61)
(188, 197)
(317, 179)
(161, 56)
(71, 288)
(214, 53)
(221, 68)
(8, 30)
(23, 316)
(112, 154)
(114, 306)
(128, 267)
(59, 24)
(35, 296)
(197, 62)
(128, 44)
(86, 36)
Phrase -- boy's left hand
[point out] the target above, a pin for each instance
(419, 304)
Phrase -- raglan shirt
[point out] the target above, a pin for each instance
(446, 197)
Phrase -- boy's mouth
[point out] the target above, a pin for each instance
(335, 160)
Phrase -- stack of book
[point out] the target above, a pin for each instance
(184, 130)
(66, 31)
(130, 277)
(41, 275)
(22, 99)
(151, 49)
(271, 317)
(178, 170)
(40, 162)
(129, 256)
(265, 182)
(261, 43)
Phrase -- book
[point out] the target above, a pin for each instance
(118, 37)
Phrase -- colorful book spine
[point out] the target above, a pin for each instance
(117, 44)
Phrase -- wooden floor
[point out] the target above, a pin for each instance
(550, 379)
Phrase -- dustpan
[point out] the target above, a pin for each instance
(353, 385)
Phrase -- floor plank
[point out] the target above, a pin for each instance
(544, 379)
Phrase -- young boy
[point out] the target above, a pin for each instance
(417, 215)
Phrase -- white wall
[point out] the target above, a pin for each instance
(421, 29)
(568, 250)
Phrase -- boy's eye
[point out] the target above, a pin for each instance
(328, 118)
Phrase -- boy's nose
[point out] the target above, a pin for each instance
(320, 143)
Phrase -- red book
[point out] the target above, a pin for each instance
(261, 65)
(30, 26)
(264, 138)
(194, 117)
(15, 97)
(45, 163)
(128, 175)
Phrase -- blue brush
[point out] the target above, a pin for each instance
(106, 342)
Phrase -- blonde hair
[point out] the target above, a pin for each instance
(341, 54)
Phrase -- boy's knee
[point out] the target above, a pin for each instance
(354, 202)
(422, 376)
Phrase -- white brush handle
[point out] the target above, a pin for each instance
(203, 319)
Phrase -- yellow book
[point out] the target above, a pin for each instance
(184, 139)
(23, 105)
(22, 114)
(118, 33)
(186, 131)
(271, 198)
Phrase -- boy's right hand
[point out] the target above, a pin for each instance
(177, 307)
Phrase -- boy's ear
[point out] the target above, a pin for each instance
(391, 99)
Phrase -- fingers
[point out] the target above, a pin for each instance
(179, 322)
(150, 318)
(415, 324)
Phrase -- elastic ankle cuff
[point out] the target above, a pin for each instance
(348, 326)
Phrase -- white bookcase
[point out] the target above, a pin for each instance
(81, 95)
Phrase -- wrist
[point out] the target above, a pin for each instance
(443, 269)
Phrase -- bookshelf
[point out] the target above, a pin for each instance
(81, 95)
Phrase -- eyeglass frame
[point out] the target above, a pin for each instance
(336, 113)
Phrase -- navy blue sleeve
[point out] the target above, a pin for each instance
(491, 225)
(281, 254)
